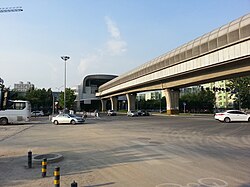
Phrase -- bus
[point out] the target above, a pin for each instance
(16, 111)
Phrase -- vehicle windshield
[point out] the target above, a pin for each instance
(72, 115)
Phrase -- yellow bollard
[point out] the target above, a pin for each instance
(44, 167)
(57, 177)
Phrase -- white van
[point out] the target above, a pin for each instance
(17, 111)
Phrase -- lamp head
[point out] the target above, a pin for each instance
(65, 58)
(1, 81)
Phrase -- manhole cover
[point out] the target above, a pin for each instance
(51, 158)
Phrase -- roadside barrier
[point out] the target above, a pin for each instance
(57, 177)
(44, 164)
(74, 184)
(44, 167)
(29, 159)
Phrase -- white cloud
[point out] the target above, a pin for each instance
(113, 47)
(89, 62)
(112, 28)
(116, 47)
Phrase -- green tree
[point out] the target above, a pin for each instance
(202, 101)
(15, 95)
(206, 100)
(240, 86)
(70, 98)
(40, 99)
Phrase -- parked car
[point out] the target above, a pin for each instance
(37, 113)
(111, 113)
(132, 113)
(163, 111)
(232, 115)
(67, 119)
(143, 113)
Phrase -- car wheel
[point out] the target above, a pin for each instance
(73, 122)
(3, 121)
(56, 122)
(248, 119)
(227, 120)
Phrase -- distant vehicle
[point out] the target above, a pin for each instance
(232, 115)
(37, 113)
(163, 111)
(15, 112)
(143, 113)
(67, 119)
(111, 113)
(132, 113)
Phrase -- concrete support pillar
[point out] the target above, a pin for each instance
(172, 100)
(78, 105)
(104, 105)
(131, 98)
(114, 103)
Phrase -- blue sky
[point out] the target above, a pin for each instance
(100, 36)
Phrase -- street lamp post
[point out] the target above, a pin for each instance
(65, 58)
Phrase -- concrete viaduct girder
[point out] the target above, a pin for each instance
(221, 54)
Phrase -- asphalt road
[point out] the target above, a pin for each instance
(154, 151)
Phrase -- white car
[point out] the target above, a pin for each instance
(67, 118)
(232, 115)
(37, 113)
(111, 113)
(132, 113)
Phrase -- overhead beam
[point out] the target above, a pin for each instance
(230, 69)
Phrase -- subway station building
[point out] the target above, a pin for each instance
(86, 99)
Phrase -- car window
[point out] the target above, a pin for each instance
(236, 112)
(239, 112)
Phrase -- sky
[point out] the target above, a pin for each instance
(100, 36)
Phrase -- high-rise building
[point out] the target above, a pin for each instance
(151, 95)
(189, 90)
(22, 87)
(223, 97)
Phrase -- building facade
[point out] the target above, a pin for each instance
(86, 99)
(22, 87)
(224, 99)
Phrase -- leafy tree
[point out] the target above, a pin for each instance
(14, 95)
(156, 104)
(40, 99)
(70, 98)
(206, 100)
(240, 86)
(202, 101)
